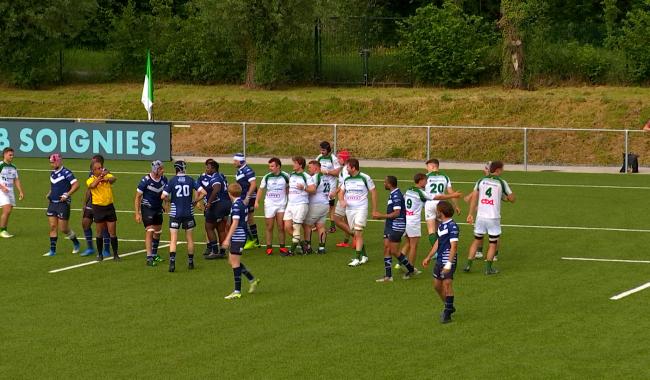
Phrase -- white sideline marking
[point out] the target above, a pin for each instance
(107, 258)
(606, 260)
(631, 291)
(380, 180)
(463, 224)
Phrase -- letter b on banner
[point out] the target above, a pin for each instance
(4, 138)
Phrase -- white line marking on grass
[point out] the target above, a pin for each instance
(606, 260)
(631, 291)
(105, 259)
(581, 228)
(379, 180)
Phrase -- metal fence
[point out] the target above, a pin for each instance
(524, 146)
(359, 51)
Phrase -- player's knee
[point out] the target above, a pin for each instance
(493, 239)
(478, 237)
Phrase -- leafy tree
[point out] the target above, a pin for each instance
(32, 33)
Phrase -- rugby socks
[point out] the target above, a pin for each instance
(107, 241)
(404, 261)
(53, 244)
(363, 250)
(332, 224)
(246, 273)
(190, 258)
(100, 244)
(3, 229)
(449, 304)
(73, 237)
(154, 246)
(237, 274)
(388, 263)
(88, 234)
(322, 238)
(172, 257)
(346, 239)
(254, 233)
(213, 246)
(359, 254)
(114, 245)
(488, 266)
(432, 238)
(469, 263)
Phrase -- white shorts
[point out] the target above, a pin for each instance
(339, 210)
(7, 198)
(271, 209)
(413, 229)
(357, 218)
(317, 214)
(487, 225)
(430, 210)
(296, 213)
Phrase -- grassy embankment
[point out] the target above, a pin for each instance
(568, 107)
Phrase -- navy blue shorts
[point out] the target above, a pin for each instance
(151, 216)
(237, 247)
(393, 236)
(217, 212)
(61, 210)
(437, 272)
(186, 223)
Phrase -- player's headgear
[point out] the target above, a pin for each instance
(180, 166)
(344, 155)
(239, 157)
(55, 157)
(155, 165)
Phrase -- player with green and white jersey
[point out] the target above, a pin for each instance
(339, 211)
(8, 180)
(353, 196)
(300, 186)
(274, 189)
(489, 192)
(330, 168)
(437, 183)
(415, 199)
(319, 206)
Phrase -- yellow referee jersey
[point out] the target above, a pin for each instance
(102, 194)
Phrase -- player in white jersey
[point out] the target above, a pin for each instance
(274, 188)
(354, 198)
(468, 198)
(339, 210)
(486, 201)
(330, 168)
(8, 179)
(319, 206)
(437, 183)
(300, 186)
(414, 200)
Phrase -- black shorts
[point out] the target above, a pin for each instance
(251, 205)
(332, 202)
(104, 213)
(185, 222)
(88, 212)
(217, 212)
(438, 275)
(60, 210)
(151, 216)
(393, 236)
(237, 247)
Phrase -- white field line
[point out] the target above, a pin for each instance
(631, 291)
(105, 259)
(580, 228)
(606, 260)
(380, 180)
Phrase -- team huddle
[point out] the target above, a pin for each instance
(296, 204)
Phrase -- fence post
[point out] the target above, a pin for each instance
(243, 134)
(525, 149)
(334, 142)
(625, 162)
(428, 142)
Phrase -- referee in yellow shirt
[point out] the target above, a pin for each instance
(101, 188)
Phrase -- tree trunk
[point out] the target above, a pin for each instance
(513, 71)
(251, 66)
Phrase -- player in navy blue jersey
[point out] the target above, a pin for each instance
(204, 181)
(180, 192)
(394, 228)
(88, 216)
(445, 250)
(62, 185)
(217, 209)
(245, 177)
(235, 241)
(149, 209)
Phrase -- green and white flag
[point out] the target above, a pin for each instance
(147, 90)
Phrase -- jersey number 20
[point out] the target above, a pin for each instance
(182, 191)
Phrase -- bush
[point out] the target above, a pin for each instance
(445, 46)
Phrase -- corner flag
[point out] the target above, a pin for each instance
(147, 90)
